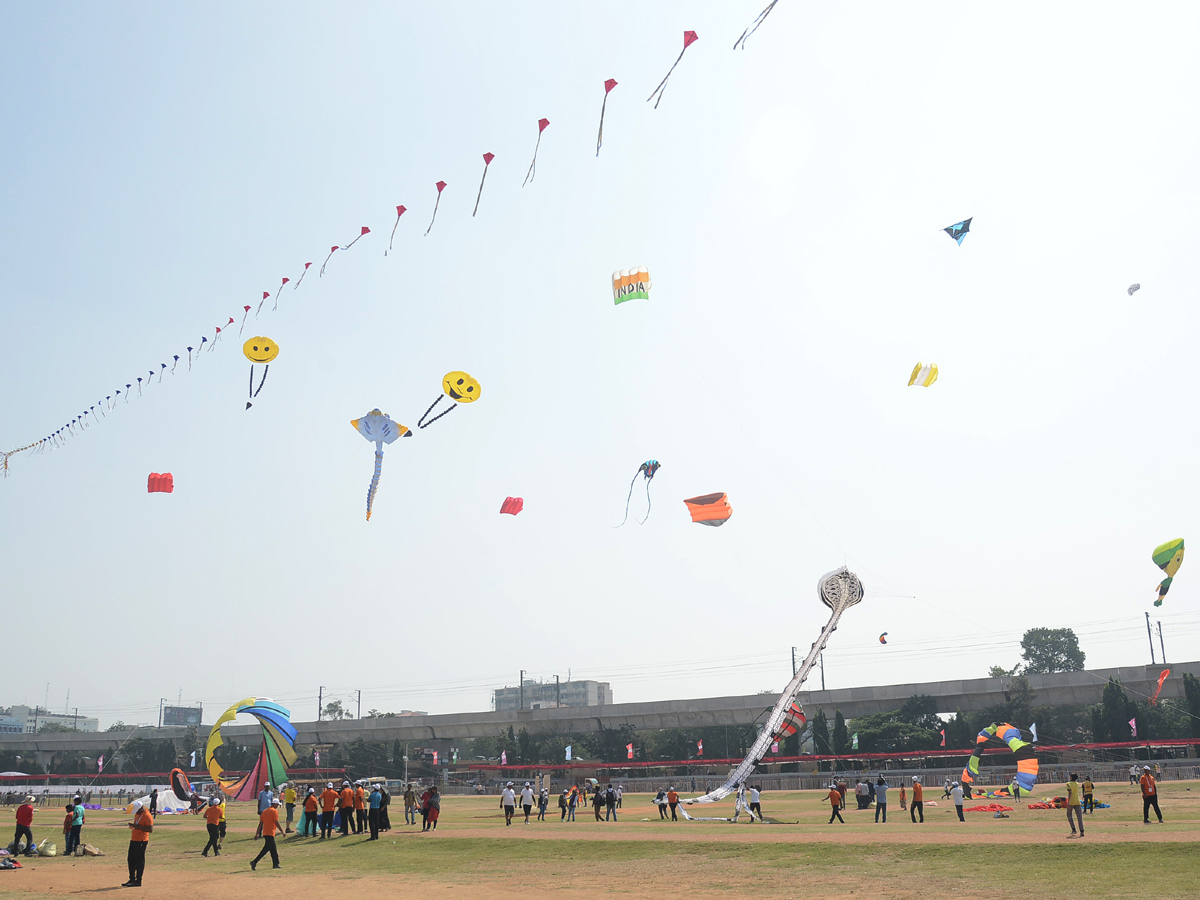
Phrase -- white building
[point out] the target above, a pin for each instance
(35, 719)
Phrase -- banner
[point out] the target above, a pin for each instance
(943, 734)
(699, 748)
(854, 741)
(568, 752)
(1133, 726)
(629, 751)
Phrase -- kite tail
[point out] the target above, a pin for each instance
(662, 85)
(628, 498)
(435, 209)
(375, 478)
(300, 279)
(321, 274)
(353, 242)
(643, 522)
(274, 306)
(424, 424)
(532, 173)
(266, 369)
(393, 237)
(481, 181)
(754, 25)
(600, 134)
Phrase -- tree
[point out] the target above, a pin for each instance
(841, 734)
(335, 711)
(376, 714)
(1020, 696)
(53, 728)
(1110, 720)
(1191, 694)
(1047, 650)
(117, 726)
(820, 733)
(1001, 672)
(959, 733)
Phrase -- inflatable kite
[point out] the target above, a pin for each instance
(631, 284)
(263, 350)
(1027, 761)
(1162, 676)
(459, 387)
(959, 230)
(277, 753)
(160, 484)
(923, 375)
(609, 84)
(180, 786)
(689, 38)
(378, 427)
(1133, 288)
(883, 638)
(793, 721)
(708, 509)
(532, 173)
(648, 469)
(512, 505)
(1168, 557)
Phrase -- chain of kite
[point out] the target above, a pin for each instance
(762, 16)
(662, 85)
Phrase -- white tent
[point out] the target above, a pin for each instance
(167, 802)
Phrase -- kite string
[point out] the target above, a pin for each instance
(662, 85)
(480, 194)
(762, 16)
(421, 424)
(648, 480)
(630, 497)
(266, 369)
(436, 203)
(532, 173)
(600, 134)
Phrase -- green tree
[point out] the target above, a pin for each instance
(53, 728)
(1047, 650)
(335, 711)
(117, 726)
(1001, 672)
(1110, 720)
(820, 734)
(1020, 696)
(1191, 697)
(841, 734)
(959, 733)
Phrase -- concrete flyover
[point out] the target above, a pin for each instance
(973, 694)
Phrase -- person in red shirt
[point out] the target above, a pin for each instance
(835, 800)
(139, 840)
(329, 801)
(360, 810)
(212, 815)
(1149, 796)
(269, 821)
(24, 826)
(346, 810)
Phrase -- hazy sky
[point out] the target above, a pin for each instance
(164, 165)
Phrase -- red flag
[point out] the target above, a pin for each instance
(100, 763)
(532, 173)
(609, 84)
(400, 210)
(943, 733)
(699, 748)
(435, 757)
(629, 751)
(504, 757)
(487, 161)
(441, 186)
(1133, 725)
(689, 38)
(317, 757)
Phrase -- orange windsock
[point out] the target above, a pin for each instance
(710, 509)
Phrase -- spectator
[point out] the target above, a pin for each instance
(756, 802)
(1149, 796)
(374, 802)
(673, 802)
(1133, 774)
(842, 788)
(610, 804)
(385, 801)
(956, 794)
(918, 804)
(78, 817)
(311, 816)
(572, 803)
(543, 802)
(289, 806)
(265, 796)
(881, 789)
(948, 788)
(153, 803)
(1073, 804)
(835, 800)
(212, 819)
(562, 805)
(435, 807)
(346, 809)
(268, 822)
(360, 809)
(527, 800)
(661, 800)
(597, 802)
(1089, 790)
(620, 792)
(139, 838)
(426, 799)
(24, 827)
(329, 802)
(903, 798)
(67, 819)
(508, 803)
(410, 805)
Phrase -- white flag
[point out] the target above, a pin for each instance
(193, 765)
(1033, 731)
(568, 752)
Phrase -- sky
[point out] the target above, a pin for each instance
(164, 165)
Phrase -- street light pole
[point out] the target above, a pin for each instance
(360, 704)
(1160, 643)
(1150, 636)
(161, 701)
(320, 696)
(521, 702)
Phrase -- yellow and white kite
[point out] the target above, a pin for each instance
(923, 375)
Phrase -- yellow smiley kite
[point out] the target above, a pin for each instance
(459, 387)
(262, 350)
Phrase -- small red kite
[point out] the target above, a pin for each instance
(160, 484)
(532, 173)
(609, 84)
(400, 210)
(512, 505)
(689, 38)
(487, 161)
(441, 186)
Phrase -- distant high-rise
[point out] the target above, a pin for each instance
(549, 694)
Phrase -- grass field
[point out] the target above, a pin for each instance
(473, 854)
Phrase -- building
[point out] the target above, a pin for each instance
(549, 694)
(35, 719)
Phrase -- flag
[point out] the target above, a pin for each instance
(568, 752)
(435, 757)
(775, 746)
(1133, 725)
(699, 748)
(504, 757)
(629, 751)
(316, 757)
(943, 733)
(454, 755)
(193, 765)
(1033, 731)
(854, 741)
(100, 764)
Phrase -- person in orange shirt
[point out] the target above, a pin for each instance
(918, 803)
(212, 815)
(269, 820)
(329, 802)
(346, 809)
(310, 815)
(360, 811)
(835, 800)
(139, 839)
(673, 802)
(1149, 796)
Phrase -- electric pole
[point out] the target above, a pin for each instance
(1150, 635)
(320, 696)
(822, 671)
(163, 700)
(1160, 643)
(360, 704)
(793, 662)
(521, 704)
(557, 692)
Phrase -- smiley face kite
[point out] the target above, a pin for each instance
(459, 387)
(262, 350)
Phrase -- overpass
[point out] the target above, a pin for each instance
(1060, 689)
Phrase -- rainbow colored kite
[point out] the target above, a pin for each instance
(278, 748)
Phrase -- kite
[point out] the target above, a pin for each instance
(245, 315)
(364, 231)
(1168, 557)
(378, 427)
(532, 173)
(648, 469)
(689, 38)
(277, 753)
(959, 230)
(609, 84)
(487, 161)
(265, 295)
(275, 305)
(1133, 288)
(754, 25)
(263, 350)
(302, 274)
(512, 505)
(1162, 676)
(793, 721)
(441, 186)
(923, 375)
(400, 210)
(883, 638)
(180, 786)
(707, 509)
(160, 484)
(631, 284)
(459, 387)
(1027, 762)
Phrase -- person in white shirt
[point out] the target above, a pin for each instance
(947, 787)
(881, 789)
(527, 800)
(755, 804)
(508, 802)
(620, 791)
(957, 793)
(1133, 774)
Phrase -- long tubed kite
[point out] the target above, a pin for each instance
(609, 84)
(1024, 751)
(1168, 557)
(441, 186)
(487, 161)
(647, 469)
(378, 427)
(400, 210)
(689, 38)
(459, 387)
(277, 753)
(1162, 677)
(838, 590)
(532, 173)
(762, 16)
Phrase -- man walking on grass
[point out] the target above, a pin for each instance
(1074, 795)
(212, 818)
(1149, 796)
(835, 800)
(508, 803)
(269, 824)
(918, 801)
